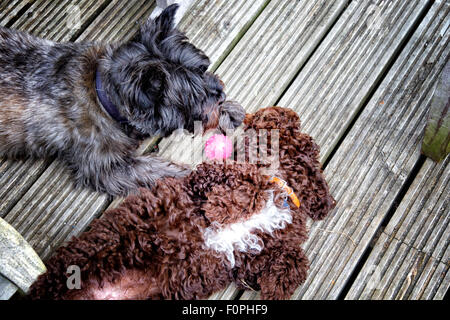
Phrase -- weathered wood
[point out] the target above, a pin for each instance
(7, 289)
(52, 210)
(9, 10)
(339, 78)
(16, 177)
(436, 142)
(19, 262)
(277, 45)
(119, 21)
(378, 153)
(420, 225)
(216, 26)
(58, 20)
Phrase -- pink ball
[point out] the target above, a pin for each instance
(218, 147)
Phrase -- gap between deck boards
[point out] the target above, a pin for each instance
(398, 199)
(413, 174)
(380, 80)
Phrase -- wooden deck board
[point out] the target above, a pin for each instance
(9, 10)
(420, 225)
(374, 160)
(281, 40)
(341, 75)
(16, 177)
(57, 20)
(422, 220)
(218, 26)
(52, 210)
(119, 21)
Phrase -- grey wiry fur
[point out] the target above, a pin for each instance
(158, 81)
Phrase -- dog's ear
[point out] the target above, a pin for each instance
(154, 31)
(166, 20)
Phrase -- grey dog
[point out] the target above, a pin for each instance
(91, 104)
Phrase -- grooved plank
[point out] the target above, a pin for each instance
(375, 158)
(281, 40)
(340, 76)
(268, 56)
(421, 223)
(57, 20)
(52, 210)
(9, 10)
(15, 178)
(216, 26)
(119, 21)
(422, 219)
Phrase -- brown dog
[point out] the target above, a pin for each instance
(189, 237)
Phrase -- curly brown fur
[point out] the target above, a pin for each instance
(299, 158)
(153, 245)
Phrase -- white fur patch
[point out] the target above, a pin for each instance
(238, 235)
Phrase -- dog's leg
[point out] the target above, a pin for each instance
(287, 270)
(124, 177)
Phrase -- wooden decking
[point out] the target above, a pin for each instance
(361, 75)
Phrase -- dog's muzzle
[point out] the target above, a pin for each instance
(231, 115)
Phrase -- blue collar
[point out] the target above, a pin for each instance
(106, 103)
